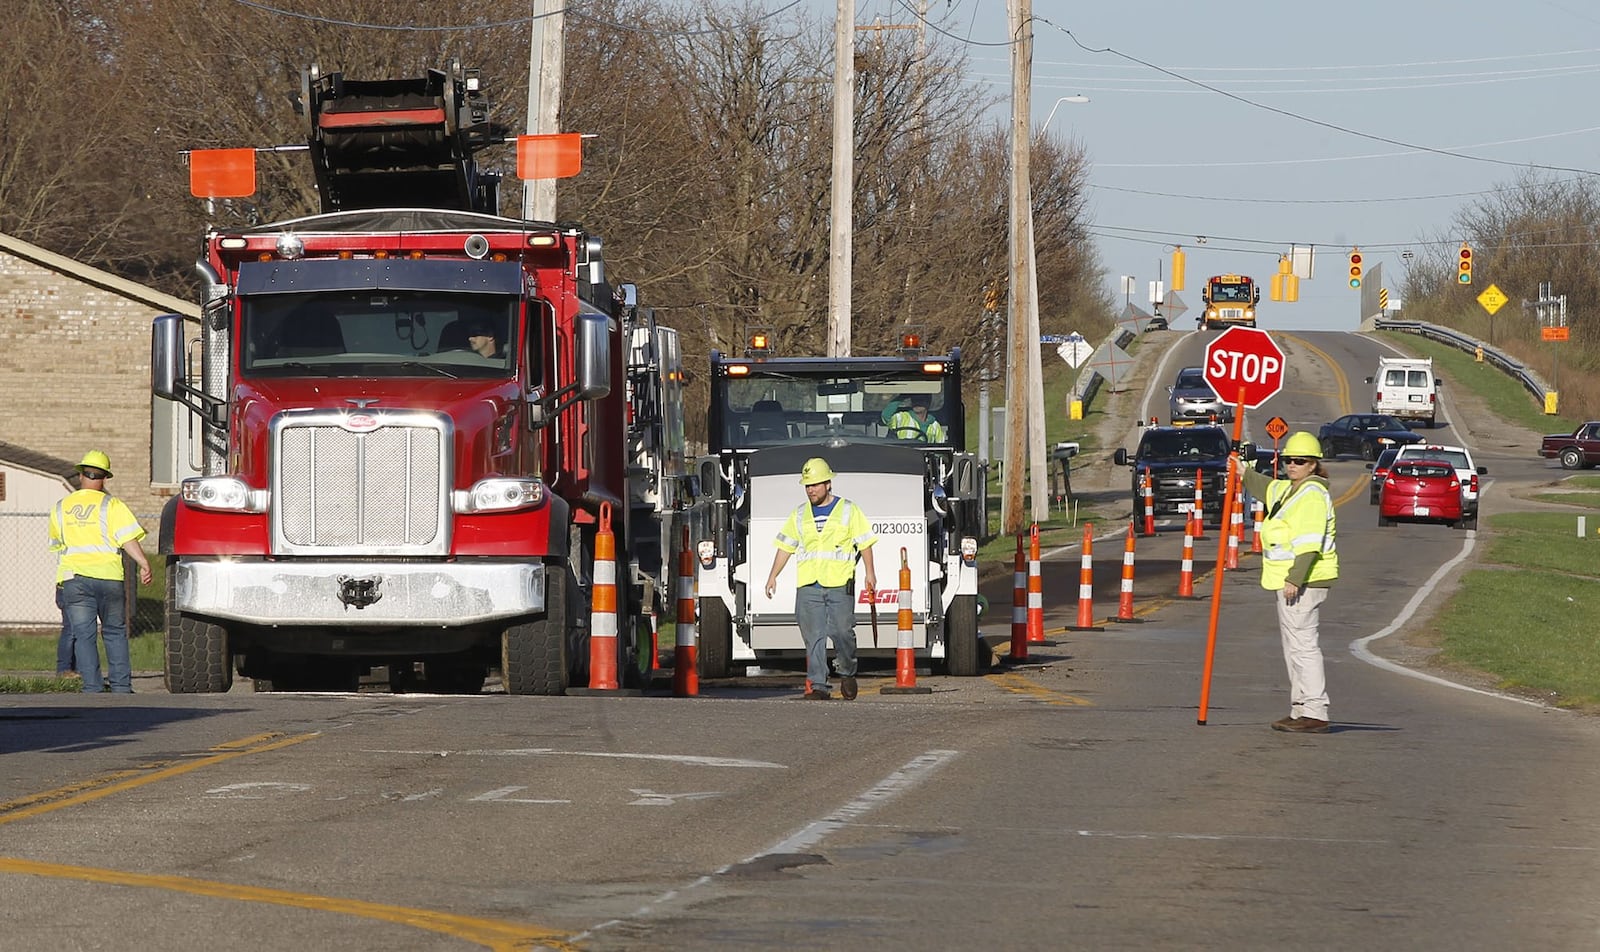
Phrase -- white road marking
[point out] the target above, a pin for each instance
(504, 795)
(1114, 835)
(549, 751)
(1360, 650)
(914, 772)
(253, 791)
(649, 798)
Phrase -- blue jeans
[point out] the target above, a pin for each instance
(64, 658)
(824, 613)
(99, 602)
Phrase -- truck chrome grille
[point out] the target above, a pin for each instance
(379, 492)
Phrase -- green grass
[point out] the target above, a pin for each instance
(1542, 541)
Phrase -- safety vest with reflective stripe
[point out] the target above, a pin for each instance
(828, 557)
(88, 530)
(1297, 524)
(904, 421)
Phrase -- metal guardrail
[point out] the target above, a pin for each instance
(1530, 381)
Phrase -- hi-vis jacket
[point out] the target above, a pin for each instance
(88, 530)
(1297, 535)
(902, 421)
(826, 558)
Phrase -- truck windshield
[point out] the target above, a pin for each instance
(1230, 292)
(378, 333)
(784, 407)
(1175, 445)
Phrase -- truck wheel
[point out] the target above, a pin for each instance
(961, 647)
(716, 638)
(1572, 458)
(196, 652)
(533, 655)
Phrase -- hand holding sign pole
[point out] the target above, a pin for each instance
(1247, 362)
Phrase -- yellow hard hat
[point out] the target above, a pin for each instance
(816, 470)
(1302, 444)
(94, 459)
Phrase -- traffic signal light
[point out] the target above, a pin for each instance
(1355, 267)
(1178, 258)
(1464, 265)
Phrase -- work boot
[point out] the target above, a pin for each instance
(814, 693)
(1285, 723)
(1309, 725)
(847, 688)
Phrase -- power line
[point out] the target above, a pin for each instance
(572, 10)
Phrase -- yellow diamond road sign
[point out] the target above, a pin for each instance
(1492, 299)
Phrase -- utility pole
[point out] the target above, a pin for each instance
(545, 51)
(841, 223)
(1019, 385)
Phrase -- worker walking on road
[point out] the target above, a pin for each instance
(90, 530)
(1299, 562)
(825, 534)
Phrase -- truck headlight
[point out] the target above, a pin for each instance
(223, 494)
(500, 494)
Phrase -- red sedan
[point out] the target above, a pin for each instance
(1420, 490)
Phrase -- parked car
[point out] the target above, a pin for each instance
(1380, 469)
(1364, 434)
(1461, 458)
(1193, 401)
(1421, 490)
(1579, 449)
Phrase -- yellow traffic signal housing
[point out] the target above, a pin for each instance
(1355, 268)
(1177, 268)
(1464, 265)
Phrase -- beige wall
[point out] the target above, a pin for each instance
(75, 366)
(27, 586)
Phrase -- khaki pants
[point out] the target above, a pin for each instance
(1297, 623)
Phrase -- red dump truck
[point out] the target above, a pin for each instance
(411, 422)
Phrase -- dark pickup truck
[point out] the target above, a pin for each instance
(1579, 449)
(1173, 455)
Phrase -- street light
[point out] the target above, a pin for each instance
(1074, 98)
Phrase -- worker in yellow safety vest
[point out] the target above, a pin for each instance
(908, 419)
(1299, 562)
(89, 532)
(825, 534)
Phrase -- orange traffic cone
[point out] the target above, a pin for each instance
(1086, 584)
(1035, 590)
(1019, 606)
(905, 648)
(1235, 530)
(1257, 510)
(1186, 571)
(685, 659)
(1149, 504)
(603, 614)
(1199, 504)
(1125, 598)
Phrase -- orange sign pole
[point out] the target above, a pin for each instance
(1222, 554)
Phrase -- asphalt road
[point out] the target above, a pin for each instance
(1073, 802)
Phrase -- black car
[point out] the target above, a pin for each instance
(1364, 434)
(1380, 469)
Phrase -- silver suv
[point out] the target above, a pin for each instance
(1193, 400)
(1459, 457)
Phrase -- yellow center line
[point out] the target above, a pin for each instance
(1342, 392)
(496, 934)
(1018, 684)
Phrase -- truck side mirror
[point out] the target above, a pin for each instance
(1120, 457)
(166, 356)
(594, 354)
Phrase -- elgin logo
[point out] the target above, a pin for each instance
(885, 596)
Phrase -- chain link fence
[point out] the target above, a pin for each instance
(28, 584)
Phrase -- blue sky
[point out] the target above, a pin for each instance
(1173, 161)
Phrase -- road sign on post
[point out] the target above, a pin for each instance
(1244, 360)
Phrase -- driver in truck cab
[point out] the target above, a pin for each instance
(908, 419)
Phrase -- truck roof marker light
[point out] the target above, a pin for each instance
(291, 246)
(265, 256)
(345, 254)
(542, 241)
(549, 156)
(415, 255)
(933, 367)
(380, 254)
(738, 370)
(233, 244)
(222, 173)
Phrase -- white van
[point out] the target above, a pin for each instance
(1405, 387)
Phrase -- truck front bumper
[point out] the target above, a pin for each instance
(401, 594)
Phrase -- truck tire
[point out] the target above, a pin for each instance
(196, 652)
(1572, 458)
(962, 649)
(715, 629)
(533, 655)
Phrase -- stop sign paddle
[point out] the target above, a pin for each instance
(1243, 360)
